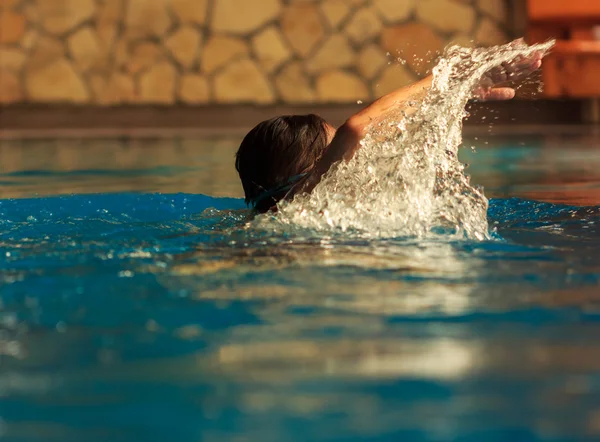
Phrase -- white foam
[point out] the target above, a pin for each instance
(406, 180)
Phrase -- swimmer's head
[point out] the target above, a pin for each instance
(277, 152)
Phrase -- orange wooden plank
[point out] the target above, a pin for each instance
(564, 10)
(571, 75)
(580, 78)
(540, 33)
(583, 33)
(583, 47)
(551, 78)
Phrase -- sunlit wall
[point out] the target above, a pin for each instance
(110, 52)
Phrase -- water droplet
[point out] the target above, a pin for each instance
(407, 179)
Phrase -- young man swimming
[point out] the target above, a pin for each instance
(288, 155)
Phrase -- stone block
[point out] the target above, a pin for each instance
(394, 11)
(11, 90)
(301, 24)
(393, 77)
(446, 15)
(190, 11)
(46, 50)
(220, 50)
(355, 3)
(107, 36)
(110, 12)
(12, 27)
(243, 16)
(363, 26)
(147, 18)
(184, 45)
(57, 82)
(120, 89)
(98, 84)
(371, 60)
(122, 54)
(143, 56)
(109, 18)
(30, 39)
(61, 16)
(242, 82)
(31, 11)
(335, 12)
(293, 85)
(194, 89)
(85, 48)
(496, 9)
(489, 33)
(270, 48)
(416, 43)
(341, 87)
(9, 4)
(11, 58)
(335, 53)
(157, 85)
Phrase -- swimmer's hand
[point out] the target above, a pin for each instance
(347, 138)
(490, 88)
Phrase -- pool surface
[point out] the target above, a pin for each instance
(136, 305)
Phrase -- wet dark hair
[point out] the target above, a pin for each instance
(277, 151)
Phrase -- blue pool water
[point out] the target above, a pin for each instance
(144, 313)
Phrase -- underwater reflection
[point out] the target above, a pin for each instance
(381, 358)
(374, 277)
(153, 308)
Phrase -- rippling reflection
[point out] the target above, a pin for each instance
(429, 275)
(66, 166)
(543, 165)
(135, 316)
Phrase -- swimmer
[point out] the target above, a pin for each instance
(288, 155)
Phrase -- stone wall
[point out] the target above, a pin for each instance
(110, 52)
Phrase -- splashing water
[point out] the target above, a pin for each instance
(406, 180)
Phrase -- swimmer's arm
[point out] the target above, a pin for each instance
(348, 137)
(392, 102)
(489, 89)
